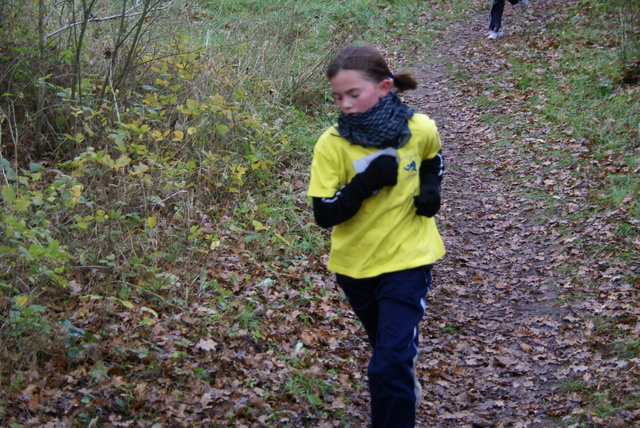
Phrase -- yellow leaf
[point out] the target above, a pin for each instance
(148, 321)
(191, 130)
(151, 222)
(157, 135)
(178, 135)
(193, 105)
(121, 162)
(22, 300)
(77, 190)
(127, 304)
(101, 215)
(106, 160)
(283, 240)
(259, 226)
(215, 244)
(141, 168)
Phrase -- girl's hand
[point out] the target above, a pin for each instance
(428, 202)
(381, 172)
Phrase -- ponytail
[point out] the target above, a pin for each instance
(404, 81)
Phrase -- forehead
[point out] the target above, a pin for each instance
(346, 80)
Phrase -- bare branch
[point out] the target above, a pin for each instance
(128, 14)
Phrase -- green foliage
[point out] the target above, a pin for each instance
(26, 320)
(137, 182)
(29, 244)
(26, 327)
(77, 339)
(305, 382)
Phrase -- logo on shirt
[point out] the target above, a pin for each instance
(411, 167)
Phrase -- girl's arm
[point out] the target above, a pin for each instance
(328, 212)
(433, 167)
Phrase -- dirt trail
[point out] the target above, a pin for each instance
(495, 335)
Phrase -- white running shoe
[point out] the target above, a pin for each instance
(493, 35)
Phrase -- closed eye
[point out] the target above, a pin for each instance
(350, 94)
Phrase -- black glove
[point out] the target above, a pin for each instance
(428, 202)
(381, 172)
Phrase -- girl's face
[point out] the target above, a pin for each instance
(355, 93)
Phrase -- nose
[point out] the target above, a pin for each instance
(346, 105)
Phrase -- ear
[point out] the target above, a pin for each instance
(384, 88)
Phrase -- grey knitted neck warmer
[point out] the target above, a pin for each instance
(383, 125)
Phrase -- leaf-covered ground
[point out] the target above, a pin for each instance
(272, 343)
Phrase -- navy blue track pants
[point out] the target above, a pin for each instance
(390, 308)
(495, 16)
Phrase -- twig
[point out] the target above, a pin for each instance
(557, 409)
(113, 93)
(168, 197)
(128, 14)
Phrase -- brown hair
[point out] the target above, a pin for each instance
(371, 62)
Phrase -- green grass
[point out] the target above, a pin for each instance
(626, 348)
(287, 43)
(453, 330)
